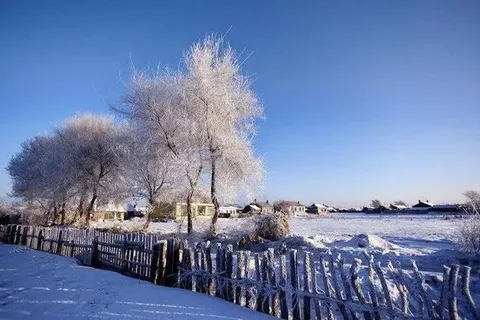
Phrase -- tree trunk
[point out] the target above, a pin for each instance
(189, 211)
(152, 203)
(62, 214)
(55, 214)
(213, 195)
(81, 205)
(90, 207)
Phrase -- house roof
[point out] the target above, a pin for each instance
(319, 206)
(254, 207)
(423, 203)
(398, 206)
(291, 203)
(263, 204)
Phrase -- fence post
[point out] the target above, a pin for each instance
(13, 231)
(162, 263)
(24, 236)
(307, 285)
(154, 262)
(94, 259)
(17, 235)
(336, 287)
(240, 276)
(220, 291)
(60, 243)
(124, 255)
(466, 292)
(32, 236)
(40, 240)
(452, 297)
(6, 234)
(282, 284)
(176, 261)
(294, 283)
(208, 261)
(357, 287)
(72, 247)
(229, 273)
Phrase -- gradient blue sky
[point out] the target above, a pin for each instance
(363, 100)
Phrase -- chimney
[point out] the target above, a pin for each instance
(267, 201)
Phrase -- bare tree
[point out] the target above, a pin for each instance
(225, 109)
(473, 200)
(376, 204)
(157, 104)
(92, 147)
(149, 170)
(400, 203)
(40, 173)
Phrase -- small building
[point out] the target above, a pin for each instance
(109, 210)
(178, 211)
(265, 206)
(422, 206)
(381, 209)
(228, 211)
(317, 208)
(446, 208)
(291, 207)
(397, 207)
(252, 209)
(367, 209)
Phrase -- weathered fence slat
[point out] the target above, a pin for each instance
(326, 287)
(282, 284)
(336, 287)
(452, 293)
(294, 284)
(466, 292)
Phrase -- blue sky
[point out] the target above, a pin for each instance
(377, 99)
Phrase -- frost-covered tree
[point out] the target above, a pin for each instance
(149, 170)
(92, 146)
(225, 109)
(473, 200)
(40, 174)
(376, 204)
(158, 105)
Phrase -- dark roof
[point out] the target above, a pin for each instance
(423, 204)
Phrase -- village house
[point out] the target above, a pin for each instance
(291, 207)
(178, 211)
(228, 211)
(317, 208)
(422, 206)
(265, 206)
(397, 207)
(251, 209)
(109, 210)
(447, 208)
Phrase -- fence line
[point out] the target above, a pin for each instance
(287, 286)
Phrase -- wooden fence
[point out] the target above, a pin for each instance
(289, 285)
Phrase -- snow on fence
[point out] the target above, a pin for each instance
(289, 285)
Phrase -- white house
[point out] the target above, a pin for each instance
(292, 207)
(318, 208)
(228, 211)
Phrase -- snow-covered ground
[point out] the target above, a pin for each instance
(429, 239)
(39, 285)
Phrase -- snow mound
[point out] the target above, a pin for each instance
(369, 241)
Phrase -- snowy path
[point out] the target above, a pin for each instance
(39, 285)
